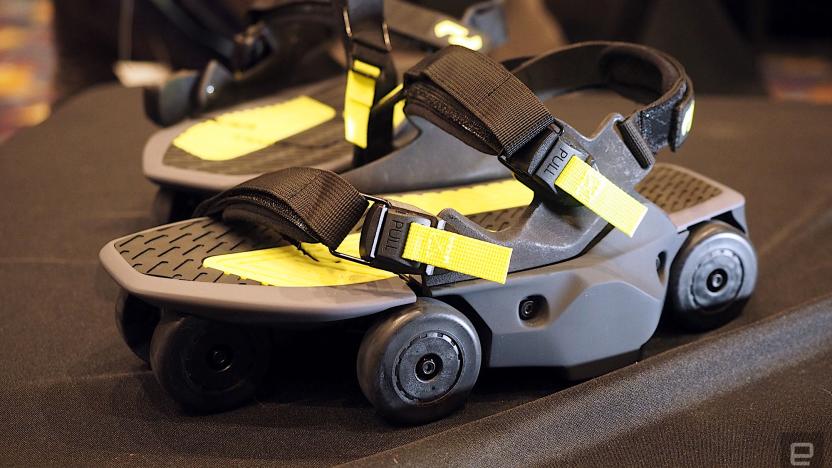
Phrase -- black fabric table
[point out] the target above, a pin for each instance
(73, 394)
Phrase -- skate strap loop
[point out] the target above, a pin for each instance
(371, 73)
(317, 206)
(500, 112)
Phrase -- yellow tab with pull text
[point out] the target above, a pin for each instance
(456, 252)
(600, 195)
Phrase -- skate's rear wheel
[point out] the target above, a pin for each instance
(209, 366)
(712, 275)
(420, 363)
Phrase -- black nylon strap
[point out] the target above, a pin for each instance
(364, 29)
(305, 204)
(366, 39)
(506, 108)
(496, 111)
(637, 72)
(638, 146)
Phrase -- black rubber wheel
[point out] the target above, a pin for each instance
(209, 366)
(419, 364)
(136, 320)
(711, 277)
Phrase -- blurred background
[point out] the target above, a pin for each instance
(53, 49)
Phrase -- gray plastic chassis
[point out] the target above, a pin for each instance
(603, 303)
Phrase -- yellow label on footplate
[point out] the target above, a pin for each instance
(239, 133)
(289, 267)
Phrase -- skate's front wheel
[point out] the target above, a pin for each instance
(136, 320)
(712, 275)
(208, 366)
(419, 363)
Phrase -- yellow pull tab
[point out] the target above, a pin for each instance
(600, 195)
(458, 253)
(358, 100)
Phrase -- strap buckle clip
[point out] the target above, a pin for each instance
(563, 173)
(539, 163)
(384, 234)
(368, 38)
(405, 240)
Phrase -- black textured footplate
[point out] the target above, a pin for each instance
(674, 190)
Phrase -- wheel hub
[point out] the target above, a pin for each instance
(220, 359)
(717, 279)
(428, 367)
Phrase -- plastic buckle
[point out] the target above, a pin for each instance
(539, 163)
(368, 42)
(384, 234)
(523, 162)
(365, 42)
